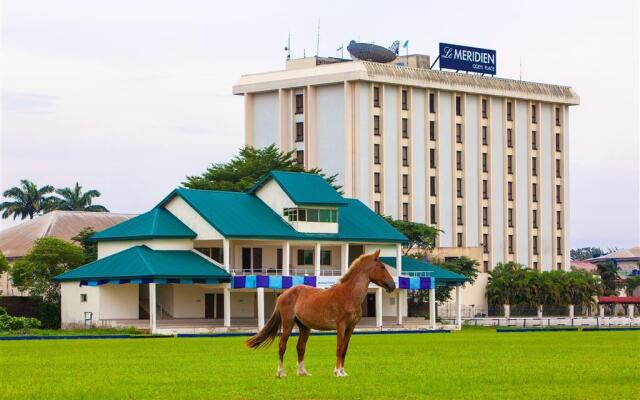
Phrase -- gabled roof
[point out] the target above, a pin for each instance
(632, 253)
(141, 262)
(411, 266)
(16, 241)
(157, 223)
(303, 189)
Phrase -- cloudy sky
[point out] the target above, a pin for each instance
(128, 97)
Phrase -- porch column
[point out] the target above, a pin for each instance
(344, 252)
(601, 311)
(399, 259)
(260, 307)
(400, 299)
(432, 308)
(632, 310)
(459, 306)
(571, 310)
(227, 306)
(226, 250)
(379, 307)
(316, 260)
(286, 256)
(152, 307)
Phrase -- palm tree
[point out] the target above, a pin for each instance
(74, 199)
(27, 200)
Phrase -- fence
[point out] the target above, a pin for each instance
(576, 322)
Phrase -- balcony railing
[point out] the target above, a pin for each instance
(308, 270)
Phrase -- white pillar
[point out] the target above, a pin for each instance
(226, 250)
(260, 307)
(459, 306)
(507, 311)
(399, 259)
(571, 311)
(316, 260)
(399, 301)
(227, 306)
(473, 311)
(601, 311)
(631, 310)
(379, 307)
(286, 258)
(344, 252)
(152, 307)
(540, 311)
(432, 308)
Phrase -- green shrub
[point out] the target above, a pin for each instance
(9, 323)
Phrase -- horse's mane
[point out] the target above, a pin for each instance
(353, 267)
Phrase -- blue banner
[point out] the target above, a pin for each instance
(464, 58)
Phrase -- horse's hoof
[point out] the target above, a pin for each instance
(281, 374)
(339, 373)
(303, 373)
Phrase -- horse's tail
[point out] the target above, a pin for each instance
(267, 334)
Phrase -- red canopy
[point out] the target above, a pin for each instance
(619, 300)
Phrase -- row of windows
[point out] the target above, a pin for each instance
(376, 98)
(534, 218)
(311, 214)
(305, 257)
(534, 245)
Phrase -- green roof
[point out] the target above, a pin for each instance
(157, 223)
(304, 189)
(411, 266)
(141, 262)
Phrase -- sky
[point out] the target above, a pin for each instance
(130, 97)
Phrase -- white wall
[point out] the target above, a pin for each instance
(389, 307)
(471, 173)
(107, 248)
(185, 213)
(386, 250)
(265, 119)
(274, 196)
(72, 310)
(330, 130)
(444, 172)
(390, 150)
(497, 182)
(243, 304)
(547, 189)
(118, 301)
(364, 144)
(522, 144)
(418, 156)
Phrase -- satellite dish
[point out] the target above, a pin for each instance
(373, 52)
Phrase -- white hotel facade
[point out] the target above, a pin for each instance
(482, 158)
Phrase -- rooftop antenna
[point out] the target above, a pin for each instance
(287, 48)
(318, 40)
(341, 50)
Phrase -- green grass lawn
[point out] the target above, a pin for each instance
(475, 363)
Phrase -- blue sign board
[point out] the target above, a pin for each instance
(464, 58)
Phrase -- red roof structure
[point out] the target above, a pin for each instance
(619, 300)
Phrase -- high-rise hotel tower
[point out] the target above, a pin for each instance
(482, 158)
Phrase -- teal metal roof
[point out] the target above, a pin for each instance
(141, 262)
(157, 223)
(411, 266)
(304, 189)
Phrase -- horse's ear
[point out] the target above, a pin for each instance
(376, 254)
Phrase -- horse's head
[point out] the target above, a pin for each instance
(378, 273)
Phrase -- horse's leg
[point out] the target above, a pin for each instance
(347, 338)
(301, 347)
(340, 334)
(287, 326)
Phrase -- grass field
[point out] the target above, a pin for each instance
(475, 363)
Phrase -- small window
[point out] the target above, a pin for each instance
(510, 217)
(325, 257)
(459, 239)
(484, 108)
(534, 114)
(432, 103)
(485, 189)
(432, 158)
(510, 164)
(376, 182)
(485, 216)
(376, 207)
(405, 105)
(405, 211)
(305, 257)
(534, 192)
(485, 137)
(509, 137)
(509, 114)
(534, 219)
(376, 153)
(485, 266)
(535, 245)
(558, 170)
(558, 219)
(459, 187)
(405, 128)
(510, 191)
(376, 96)
(376, 125)
(458, 160)
(558, 144)
(534, 140)
(299, 104)
(405, 184)
(558, 194)
(510, 242)
(313, 215)
(458, 105)
(485, 244)
(299, 131)
(485, 162)
(300, 157)
(459, 215)
(458, 133)
(557, 116)
(432, 185)
(432, 130)
(534, 166)
(559, 245)
(83, 297)
(432, 211)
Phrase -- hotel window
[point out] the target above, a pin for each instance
(485, 163)
(558, 145)
(559, 265)
(510, 164)
(535, 245)
(300, 157)
(534, 115)
(509, 137)
(376, 182)
(432, 210)
(558, 195)
(83, 297)
(432, 103)
(557, 116)
(485, 138)
(305, 257)
(485, 244)
(299, 104)
(376, 153)
(432, 158)
(485, 189)
(432, 130)
(325, 257)
(376, 125)
(559, 245)
(509, 115)
(484, 108)
(458, 105)
(485, 216)
(459, 187)
(299, 131)
(459, 239)
(405, 128)
(405, 156)
(534, 140)
(458, 160)
(510, 241)
(534, 218)
(376, 207)
(405, 211)
(376, 96)
(485, 266)
(432, 185)
(458, 133)
(405, 106)
(510, 217)
(535, 265)
(459, 215)
(558, 173)
(510, 191)
(405, 184)
(534, 192)
(534, 166)
(558, 219)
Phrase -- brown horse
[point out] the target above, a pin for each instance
(338, 307)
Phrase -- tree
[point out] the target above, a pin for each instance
(89, 247)
(631, 284)
(4, 265)
(74, 199)
(245, 169)
(506, 282)
(608, 272)
(27, 200)
(48, 257)
(421, 237)
(460, 265)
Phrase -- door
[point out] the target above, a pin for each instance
(246, 260)
(370, 302)
(219, 306)
(209, 305)
(355, 251)
(257, 260)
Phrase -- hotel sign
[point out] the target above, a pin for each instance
(464, 58)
